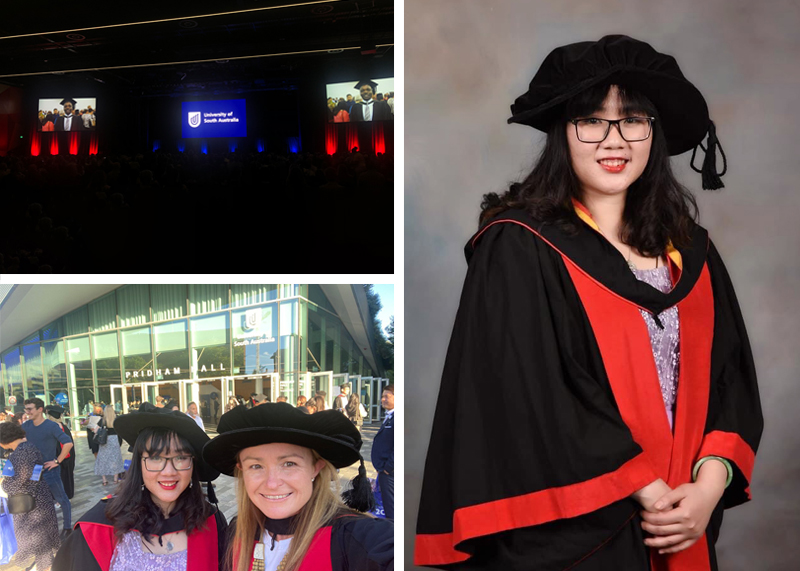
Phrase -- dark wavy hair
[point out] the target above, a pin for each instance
(133, 508)
(657, 207)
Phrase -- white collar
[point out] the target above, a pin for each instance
(368, 102)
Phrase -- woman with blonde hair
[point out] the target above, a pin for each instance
(290, 516)
(109, 457)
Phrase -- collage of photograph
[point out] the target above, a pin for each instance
(579, 216)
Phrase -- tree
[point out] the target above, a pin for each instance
(384, 350)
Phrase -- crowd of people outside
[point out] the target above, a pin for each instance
(36, 440)
(72, 211)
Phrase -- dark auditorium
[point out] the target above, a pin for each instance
(246, 136)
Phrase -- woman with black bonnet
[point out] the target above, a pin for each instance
(594, 295)
(290, 516)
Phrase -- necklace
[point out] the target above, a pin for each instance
(170, 545)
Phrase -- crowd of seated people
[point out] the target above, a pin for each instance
(162, 211)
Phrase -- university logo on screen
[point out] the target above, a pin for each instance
(194, 119)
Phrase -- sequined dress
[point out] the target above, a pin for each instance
(664, 342)
(130, 555)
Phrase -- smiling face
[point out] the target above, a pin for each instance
(278, 477)
(366, 92)
(166, 486)
(67, 108)
(611, 166)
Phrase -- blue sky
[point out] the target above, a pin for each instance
(386, 292)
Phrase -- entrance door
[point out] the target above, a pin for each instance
(365, 391)
(168, 389)
(119, 399)
(322, 382)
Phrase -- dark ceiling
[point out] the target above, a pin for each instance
(149, 57)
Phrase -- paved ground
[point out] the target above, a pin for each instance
(89, 488)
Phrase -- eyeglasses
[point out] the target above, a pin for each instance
(158, 463)
(632, 129)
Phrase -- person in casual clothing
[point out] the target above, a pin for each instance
(160, 518)
(109, 458)
(353, 410)
(36, 531)
(191, 410)
(46, 436)
(285, 462)
(383, 452)
(340, 402)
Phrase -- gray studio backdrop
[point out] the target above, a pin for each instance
(466, 61)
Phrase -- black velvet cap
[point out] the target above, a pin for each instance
(128, 426)
(621, 60)
(329, 432)
(69, 100)
(369, 82)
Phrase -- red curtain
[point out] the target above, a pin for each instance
(36, 142)
(93, 144)
(54, 143)
(351, 134)
(378, 142)
(74, 142)
(331, 138)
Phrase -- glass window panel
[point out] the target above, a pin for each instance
(136, 341)
(209, 331)
(172, 350)
(34, 379)
(211, 350)
(105, 346)
(35, 338)
(137, 357)
(316, 295)
(169, 301)
(288, 387)
(289, 339)
(106, 355)
(170, 336)
(55, 369)
(79, 371)
(133, 302)
(76, 322)
(244, 294)
(315, 339)
(302, 322)
(12, 373)
(255, 347)
(103, 313)
(52, 331)
(333, 348)
(205, 298)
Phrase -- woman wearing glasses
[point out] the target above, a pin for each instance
(160, 519)
(594, 295)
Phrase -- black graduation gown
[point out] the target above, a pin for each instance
(68, 465)
(551, 324)
(356, 542)
(76, 555)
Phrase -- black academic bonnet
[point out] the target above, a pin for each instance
(128, 426)
(621, 60)
(329, 432)
(54, 411)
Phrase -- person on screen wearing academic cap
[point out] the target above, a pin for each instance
(595, 298)
(369, 109)
(69, 121)
(160, 517)
(290, 514)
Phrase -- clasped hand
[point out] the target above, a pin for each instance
(681, 516)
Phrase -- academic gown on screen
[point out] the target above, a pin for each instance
(550, 325)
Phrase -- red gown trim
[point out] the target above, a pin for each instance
(624, 344)
(201, 546)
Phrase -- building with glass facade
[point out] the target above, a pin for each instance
(78, 344)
